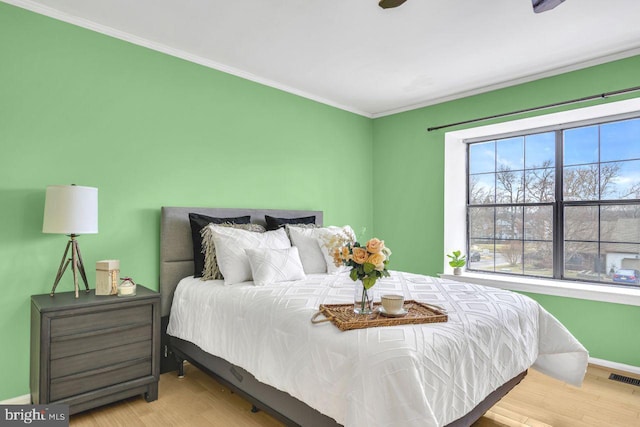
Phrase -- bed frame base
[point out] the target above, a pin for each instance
(488, 402)
(273, 401)
(277, 403)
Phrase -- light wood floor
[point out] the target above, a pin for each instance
(198, 400)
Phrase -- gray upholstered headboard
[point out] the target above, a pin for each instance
(176, 250)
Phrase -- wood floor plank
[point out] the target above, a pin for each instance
(538, 401)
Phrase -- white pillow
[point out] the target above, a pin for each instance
(230, 249)
(311, 254)
(211, 270)
(275, 265)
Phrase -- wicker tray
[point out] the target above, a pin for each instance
(345, 319)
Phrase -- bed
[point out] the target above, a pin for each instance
(411, 375)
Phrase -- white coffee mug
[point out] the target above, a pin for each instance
(392, 304)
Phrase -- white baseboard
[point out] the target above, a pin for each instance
(20, 400)
(615, 365)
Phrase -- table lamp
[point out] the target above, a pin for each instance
(71, 210)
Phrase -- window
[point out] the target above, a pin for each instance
(561, 203)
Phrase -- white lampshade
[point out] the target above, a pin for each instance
(70, 209)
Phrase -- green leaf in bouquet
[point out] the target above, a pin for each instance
(368, 282)
(368, 267)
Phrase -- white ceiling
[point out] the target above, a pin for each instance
(354, 55)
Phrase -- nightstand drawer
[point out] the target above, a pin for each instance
(70, 345)
(99, 378)
(98, 359)
(105, 319)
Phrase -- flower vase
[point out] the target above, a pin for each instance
(363, 299)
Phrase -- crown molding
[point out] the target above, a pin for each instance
(178, 53)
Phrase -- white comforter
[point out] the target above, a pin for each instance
(414, 375)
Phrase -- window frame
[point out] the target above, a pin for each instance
(455, 229)
(559, 203)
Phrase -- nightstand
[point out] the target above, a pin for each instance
(94, 350)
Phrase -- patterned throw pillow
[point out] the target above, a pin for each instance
(211, 271)
(275, 265)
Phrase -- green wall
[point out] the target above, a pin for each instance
(408, 157)
(148, 130)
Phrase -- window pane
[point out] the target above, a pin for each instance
(540, 185)
(511, 153)
(509, 222)
(622, 264)
(581, 223)
(581, 182)
(482, 157)
(481, 254)
(509, 256)
(481, 223)
(509, 187)
(620, 180)
(482, 188)
(581, 261)
(538, 259)
(538, 223)
(540, 150)
(620, 223)
(620, 140)
(580, 145)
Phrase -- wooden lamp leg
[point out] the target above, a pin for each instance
(62, 268)
(83, 274)
(77, 266)
(74, 263)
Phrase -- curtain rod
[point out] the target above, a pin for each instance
(543, 107)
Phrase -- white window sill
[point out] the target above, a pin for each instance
(592, 292)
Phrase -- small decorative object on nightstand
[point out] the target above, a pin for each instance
(107, 275)
(127, 288)
(95, 350)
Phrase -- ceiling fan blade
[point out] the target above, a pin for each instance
(540, 6)
(388, 4)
